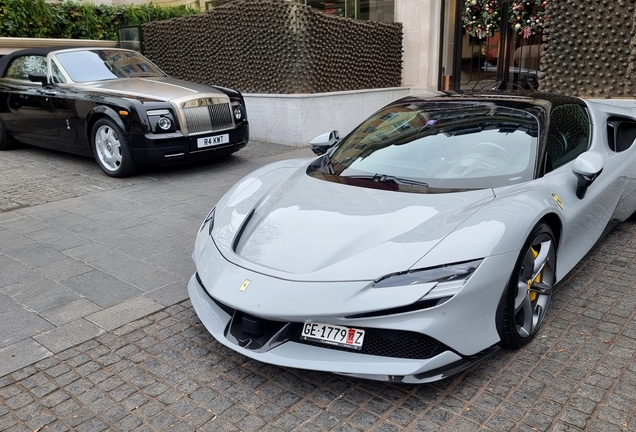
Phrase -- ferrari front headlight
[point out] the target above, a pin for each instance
(209, 221)
(449, 279)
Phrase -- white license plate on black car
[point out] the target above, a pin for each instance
(333, 335)
(213, 141)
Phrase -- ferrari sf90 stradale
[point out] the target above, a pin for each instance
(428, 237)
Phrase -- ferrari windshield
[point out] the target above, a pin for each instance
(100, 65)
(448, 145)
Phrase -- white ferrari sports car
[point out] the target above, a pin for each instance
(420, 243)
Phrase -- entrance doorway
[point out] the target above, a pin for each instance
(491, 44)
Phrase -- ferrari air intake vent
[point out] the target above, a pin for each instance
(227, 309)
(388, 343)
(207, 116)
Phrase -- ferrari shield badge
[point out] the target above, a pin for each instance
(245, 285)
(558, 200)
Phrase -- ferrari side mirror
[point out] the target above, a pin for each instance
(587, 167)
(39, 77)
(324, 142)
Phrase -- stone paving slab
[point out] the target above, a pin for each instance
(125, 312)
(19, 355)
(68, 335)
(70, 311)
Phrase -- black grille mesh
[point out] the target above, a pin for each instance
(388, 343)
(228, 310)
(379, 342)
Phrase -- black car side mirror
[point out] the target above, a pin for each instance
(39, 77)
(322, 143)
(587, 167)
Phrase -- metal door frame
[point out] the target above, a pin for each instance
(503, 65)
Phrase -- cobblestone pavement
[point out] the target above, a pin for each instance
(163, 371)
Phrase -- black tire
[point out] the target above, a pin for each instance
(110, 149)
(530, 288)
(6, 141)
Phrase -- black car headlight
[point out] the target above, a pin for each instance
(209, 221)
(161, 120)
(449, 279)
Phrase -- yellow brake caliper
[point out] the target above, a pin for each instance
(533, 295)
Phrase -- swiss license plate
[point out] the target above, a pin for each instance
(334, 335)
(213, 140)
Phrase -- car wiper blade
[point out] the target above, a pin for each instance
(384, 178)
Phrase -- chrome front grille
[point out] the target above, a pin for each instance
(208, 118)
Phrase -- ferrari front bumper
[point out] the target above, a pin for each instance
(427, 344)
(297, 355)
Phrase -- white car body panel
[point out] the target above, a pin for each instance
(388, 226)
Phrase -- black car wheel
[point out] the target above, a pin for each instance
(530, 288)
(6, 140)
(111, 149)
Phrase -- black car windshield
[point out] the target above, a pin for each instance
(100, 65)
(436, 145)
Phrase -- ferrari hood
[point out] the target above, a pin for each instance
(155, 88)
(294, 226)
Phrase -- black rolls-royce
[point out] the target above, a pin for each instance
(117, 106)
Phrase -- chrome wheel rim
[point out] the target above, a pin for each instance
(535, 286)
(108, 148)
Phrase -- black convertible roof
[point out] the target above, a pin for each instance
(6, 59)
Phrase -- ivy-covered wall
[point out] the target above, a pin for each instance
(77, 20)
(590, 48)
(277, 46)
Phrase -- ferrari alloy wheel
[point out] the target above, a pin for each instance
(111, 149)
(530, 288)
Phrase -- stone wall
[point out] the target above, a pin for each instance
(277, 46)
(590, 48)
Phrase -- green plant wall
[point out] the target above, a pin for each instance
(78, 20)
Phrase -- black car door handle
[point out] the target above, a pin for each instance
(48, 92)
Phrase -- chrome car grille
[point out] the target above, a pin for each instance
(208, 118)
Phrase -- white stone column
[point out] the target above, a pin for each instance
(421, 24)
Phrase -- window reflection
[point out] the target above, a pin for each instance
(451, 145)
(99, 65)
(21, 67)
(57, 74)
(371, 10)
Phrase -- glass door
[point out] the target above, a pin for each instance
(488, 44)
